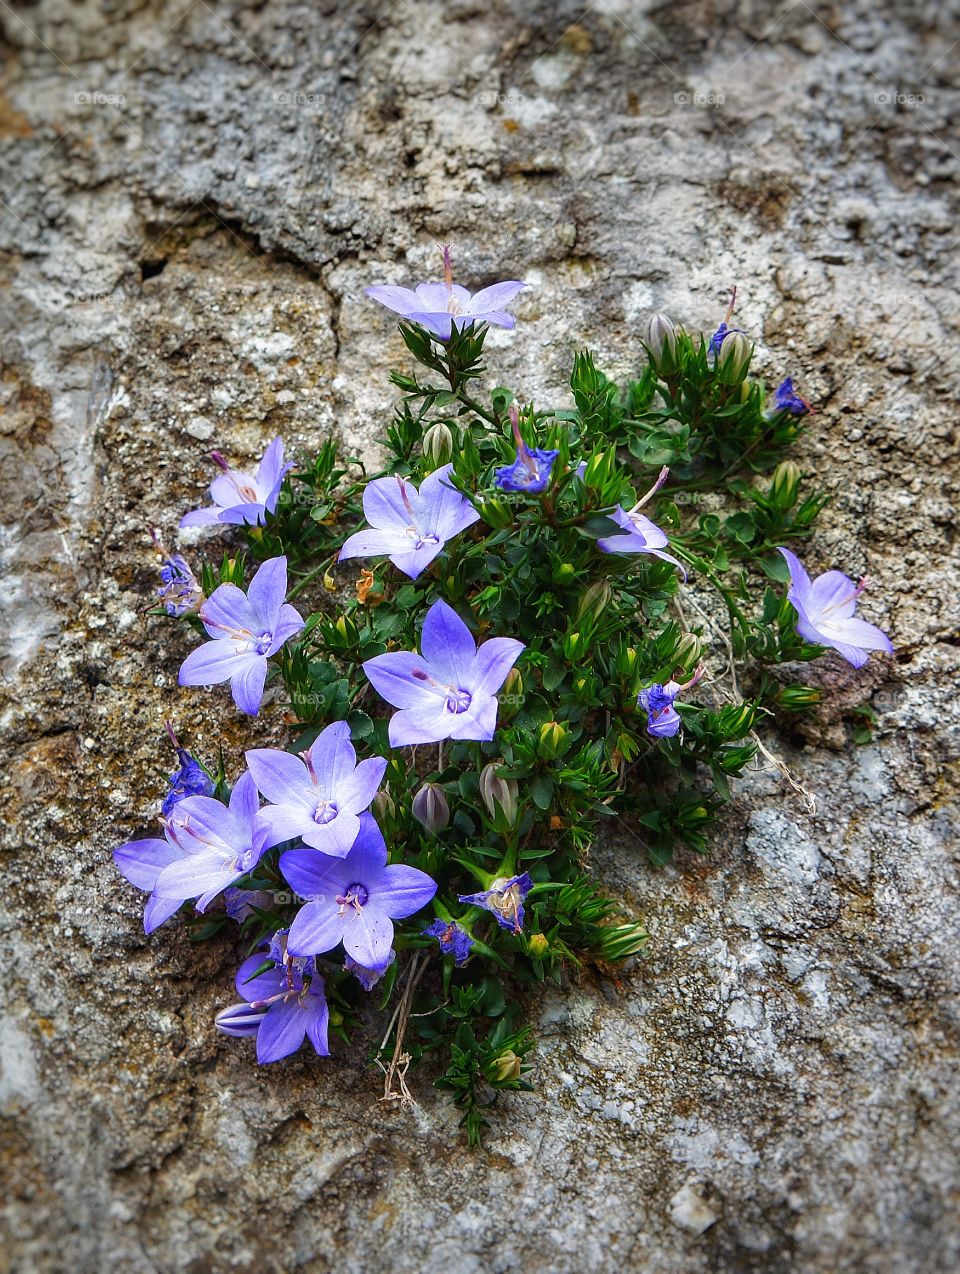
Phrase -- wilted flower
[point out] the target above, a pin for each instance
(245, 630)
(642, 535)
(453, 939)
(317, 796)
(240, 497)
(410, 526)
(504, 899)
(243, 903)
(179, 590)
(448, 692)
(825, 612)
(430, 808)
(353, 900)
(439, 307)
(291, 998)
(531, 470)
(663, 720)
(368, 978)
(191, 779)
(506, 1067)
(785, 399)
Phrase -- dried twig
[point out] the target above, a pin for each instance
(400, 1061)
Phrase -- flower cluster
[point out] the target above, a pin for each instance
(507, 664)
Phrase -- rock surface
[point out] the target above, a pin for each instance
(193, 198)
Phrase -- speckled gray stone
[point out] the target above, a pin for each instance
(194, 197)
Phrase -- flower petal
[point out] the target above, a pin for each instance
(428, 723)
(357, 790)
(195, 875)
(317, 928)
(415, 561)
(261, 987)
(374, 543)
(402, 890)
(436, 297)
(283, 822)
(832, 591)
(227, 612)
(446, 511)
(335, 838)
(271, 470)
(392, 676)
(383, 505)
(494, 297)
(368, 936)
(494, 660)
(142, 861)
(215, 661)
(333, 758)
(244, 802)
(400, 300)
(478, 722)
(448, 646)
(315, 875)
(247, 685)
(317, 1017)
(281, 777)
(158, 911)
(267, 591)
(281, 1032)
(368, 856)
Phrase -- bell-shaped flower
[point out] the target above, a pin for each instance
(825, 612)
(240, 497)
(353, 900)
(410, 526)
(220, 843)
(450, 690)
(318, 796)
(640, 534)
(245, 629)
(439, 307)
(291, 999)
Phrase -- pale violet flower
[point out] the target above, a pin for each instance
(240, 497)
(825, 612)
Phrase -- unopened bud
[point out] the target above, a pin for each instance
(552, 738)
(538, 945)
(785, 484)
(438, 444)
(733, 359)
(496, 513)
(575, 646)
(627, 661)
(799, 698)
(239, 1020)
(506, 1067)
(662, 343)
(564, 573)
(511, 696)
(383, 805)
(689, 649)
(497, 791)
(430, 808)
(594, 602)
(347, 630)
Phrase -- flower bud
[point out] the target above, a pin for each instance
(347, 631)
(785, 485)
(662, 343)
(497, 791)
(594, 602)
(496, 513)
(564, 573)
(506, 1067)
(575, 646)
(798, 698)
(239, 1020)
(689, 649)
(383, 806)
(511, 696)
(551, 739)
(627, 661)
(538, 945)
(438, 444)
(430, 808)
(733, 359)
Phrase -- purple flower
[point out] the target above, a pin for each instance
(453, 939)
(532, 468)
(440, 306)
(785, 399)
(410, 526)
(291, 998)
(242, 497)
(663, 720)
(242, 903)
(825, 612)
(716, 340)
(318, 798)
(190, 780)
(220, 843)
(179, 590)
(505, 899)
(368, 978)
(245, 630)
(141, 862)
(642, 535)
(448, 692)
(353, 900)
(239, 1020)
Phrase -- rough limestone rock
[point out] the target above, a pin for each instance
(193, 197)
